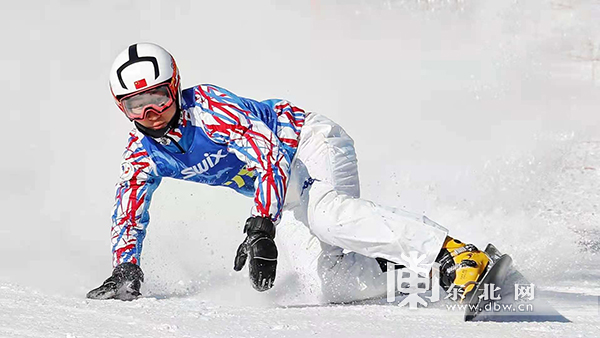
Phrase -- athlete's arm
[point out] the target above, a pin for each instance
(227, 121)
(132, 201)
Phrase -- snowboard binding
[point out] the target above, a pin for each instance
(462, 266)
(496, 273)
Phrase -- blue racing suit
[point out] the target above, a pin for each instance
(221, 139)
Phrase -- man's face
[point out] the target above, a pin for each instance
(158, 121)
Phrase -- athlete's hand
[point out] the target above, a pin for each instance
(259, 245)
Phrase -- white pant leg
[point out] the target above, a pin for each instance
(337, 215)
(349, 276)
(313, 271)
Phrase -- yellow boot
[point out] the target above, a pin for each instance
(462, 265)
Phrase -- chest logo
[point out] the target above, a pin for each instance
(209, 161)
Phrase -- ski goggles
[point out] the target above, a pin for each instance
(157, 99)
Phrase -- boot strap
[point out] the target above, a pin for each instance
(462, 249)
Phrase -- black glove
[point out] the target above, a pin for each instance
(124, 284)
(260, 246)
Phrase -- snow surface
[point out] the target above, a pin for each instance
(488, 123)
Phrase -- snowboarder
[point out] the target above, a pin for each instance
(274, 152)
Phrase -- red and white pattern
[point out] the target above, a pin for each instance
(290, 120)
(133, 194)
(252, 141)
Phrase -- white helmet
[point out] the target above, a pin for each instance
(140, 67)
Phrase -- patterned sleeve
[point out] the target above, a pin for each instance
(134, 191)
(252, 141)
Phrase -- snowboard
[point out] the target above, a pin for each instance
(495, 276)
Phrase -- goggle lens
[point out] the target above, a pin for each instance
(137, 105)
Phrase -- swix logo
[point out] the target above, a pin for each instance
(209, 161)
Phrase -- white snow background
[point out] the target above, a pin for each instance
(484, 115)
